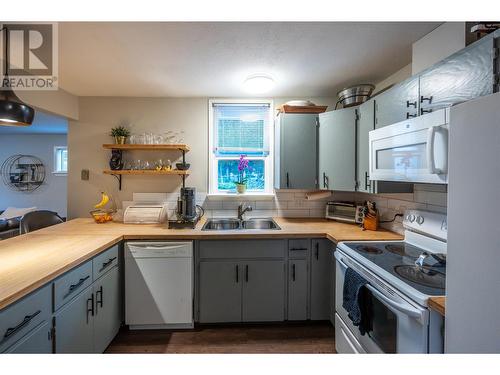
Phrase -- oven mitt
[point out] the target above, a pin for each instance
(355, 301)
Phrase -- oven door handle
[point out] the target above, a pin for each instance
(414, 313)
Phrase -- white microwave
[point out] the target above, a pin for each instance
(415, 150)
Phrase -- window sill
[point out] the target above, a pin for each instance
(238, 197)
(62, 174)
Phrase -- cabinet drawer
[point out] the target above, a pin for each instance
(21, 317)
(299, 248)
(242, 249)
(69, 285)
(105, 261)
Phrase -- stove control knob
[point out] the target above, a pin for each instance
(412, 218)
(420, 220)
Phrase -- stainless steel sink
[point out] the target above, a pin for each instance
(235, 224)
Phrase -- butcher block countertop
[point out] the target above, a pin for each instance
(31, 260)
(437, 304)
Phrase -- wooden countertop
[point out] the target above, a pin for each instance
(437, 304)
(31, 260)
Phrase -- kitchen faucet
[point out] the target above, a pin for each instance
(242, 210)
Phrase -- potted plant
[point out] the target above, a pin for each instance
(241, 183)
(121, 133)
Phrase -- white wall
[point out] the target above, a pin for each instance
(52, 195)
(399, 76)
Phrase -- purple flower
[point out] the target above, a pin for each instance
(242, 165)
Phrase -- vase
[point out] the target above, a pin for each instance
(241, 188)
(120, 140)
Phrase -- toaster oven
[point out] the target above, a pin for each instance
(347, 212)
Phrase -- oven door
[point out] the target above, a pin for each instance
(415, 150)
(398, 325)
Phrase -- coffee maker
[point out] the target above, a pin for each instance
(188, 212)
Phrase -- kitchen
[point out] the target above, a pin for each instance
(230, 208)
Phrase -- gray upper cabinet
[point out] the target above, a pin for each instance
(337, 149)
(397, 104)
(463, 76)
(220, 291)
(296, 165)
(107, 317)
(264, 291)
(320, 279)
(297, 289)
(366, 123)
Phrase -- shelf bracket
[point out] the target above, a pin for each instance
(119, 178)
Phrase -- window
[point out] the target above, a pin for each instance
(61, 159)
(240, 127)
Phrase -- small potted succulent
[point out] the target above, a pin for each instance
(121, 133)
(241, 183)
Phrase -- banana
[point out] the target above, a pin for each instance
(104, 200)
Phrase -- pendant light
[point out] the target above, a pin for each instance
(13, 112)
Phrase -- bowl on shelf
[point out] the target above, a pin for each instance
(182, 166)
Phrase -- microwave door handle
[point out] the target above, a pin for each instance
(414, 313)
(431, 163)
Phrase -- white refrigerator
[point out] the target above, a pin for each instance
(473, 261)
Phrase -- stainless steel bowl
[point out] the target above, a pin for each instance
(355, 95)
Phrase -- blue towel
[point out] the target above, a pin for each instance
(355, 302)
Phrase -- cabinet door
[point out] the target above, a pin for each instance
(107, 317)
(366, 123)
(298, 151)
(263, 291)
(38, 341)
(337, 149)
(74, 325)
(220, 292)
(397, 104)
(320, 279)
(463, 76)
(297, 289)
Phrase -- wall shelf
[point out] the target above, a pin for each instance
(118, 173)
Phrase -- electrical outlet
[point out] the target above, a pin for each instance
(85, 174)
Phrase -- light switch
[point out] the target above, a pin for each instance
(85, 174)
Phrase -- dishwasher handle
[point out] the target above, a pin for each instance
(161, 250)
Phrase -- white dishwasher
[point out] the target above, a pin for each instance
(158, 285)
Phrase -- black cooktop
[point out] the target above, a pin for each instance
(398, 258)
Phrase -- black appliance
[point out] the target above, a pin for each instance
(188, 212)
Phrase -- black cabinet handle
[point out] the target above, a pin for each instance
(74, 287)
(12, 330)
(410, 115)
(317, 250)
(425, 99)
(91, 309)
(411, 104)
(423, 111)
(99, 301)
(246, 273)
(326, 181)
(107, 264)
(367, 184)
(287, 180)
(237, 274)
(293, 272)
(298, 249)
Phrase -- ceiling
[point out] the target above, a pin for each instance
(213, 59)
(43, 123)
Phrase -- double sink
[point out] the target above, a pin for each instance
(236, 224)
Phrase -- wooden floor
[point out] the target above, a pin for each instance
(264, 338)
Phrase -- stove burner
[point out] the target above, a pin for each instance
(426, 275)
(395, 249)
(369, 249)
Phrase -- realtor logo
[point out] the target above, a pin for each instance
(31, 55)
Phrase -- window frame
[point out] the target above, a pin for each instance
(212, 158)
(56, 171)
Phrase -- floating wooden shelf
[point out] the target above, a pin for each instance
(285, 108)
(148, 172)
(179, 146)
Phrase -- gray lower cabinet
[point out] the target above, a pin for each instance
(74, 325)
(90, 321)
(298, 287)
(264, 291)
(38, 341)
(296, 158)
(220, 284)
(107, 318)
(337, 149)
(320, 279)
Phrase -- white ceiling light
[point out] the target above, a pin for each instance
(258, 83)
